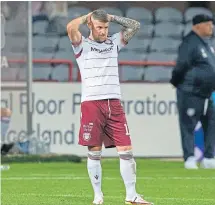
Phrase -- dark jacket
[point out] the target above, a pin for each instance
(195, 67)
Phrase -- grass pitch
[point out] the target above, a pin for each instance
(162, 182)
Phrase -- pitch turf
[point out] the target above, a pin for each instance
(164, 183)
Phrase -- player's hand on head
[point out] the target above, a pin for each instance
(89, 17)
(89, 20)
(110, 17)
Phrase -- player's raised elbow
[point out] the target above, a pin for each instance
(69, 28)
(137, 25)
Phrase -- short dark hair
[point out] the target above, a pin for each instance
(100, 15)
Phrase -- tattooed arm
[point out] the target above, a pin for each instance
(130, 26)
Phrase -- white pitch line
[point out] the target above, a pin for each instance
(109, 197)
(105, 178)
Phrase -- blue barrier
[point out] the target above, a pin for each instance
(23, 147)
(213, 97)
(199, 138)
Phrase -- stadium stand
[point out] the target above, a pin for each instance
(191, 12)
(40, 27)
(161, 32)
(41, 72)
(129, 56)
(9, 74)
(42, 55)
(113, 11)
(65, 55)
(164, 44)
(14, 55)
(57, 26)
(187, 29)
(16, 44)
(137, 45)
(22, 74)
(161, 57)
(45, 44)
(157, 73)
(131, 73)
(168, 14)
(74, 12)
(64, 44)
(60, 73)
(168, 30)
(141, 14)
(146, 31)
(19, 31)
(114, 28)
(84, 30)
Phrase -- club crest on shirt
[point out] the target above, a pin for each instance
(191, 112)
(204, 54)
(212, 50)
(108, 42)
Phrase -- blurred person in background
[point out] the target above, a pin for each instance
(5, 10)
(57, 13)
(102, 117)
(194, 78)
(5, 122)
(56, 9)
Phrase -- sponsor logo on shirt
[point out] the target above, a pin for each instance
(105, 50)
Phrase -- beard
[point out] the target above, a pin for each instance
(98, 38)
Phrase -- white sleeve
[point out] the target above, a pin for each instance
(78, 47)
(118, 40)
